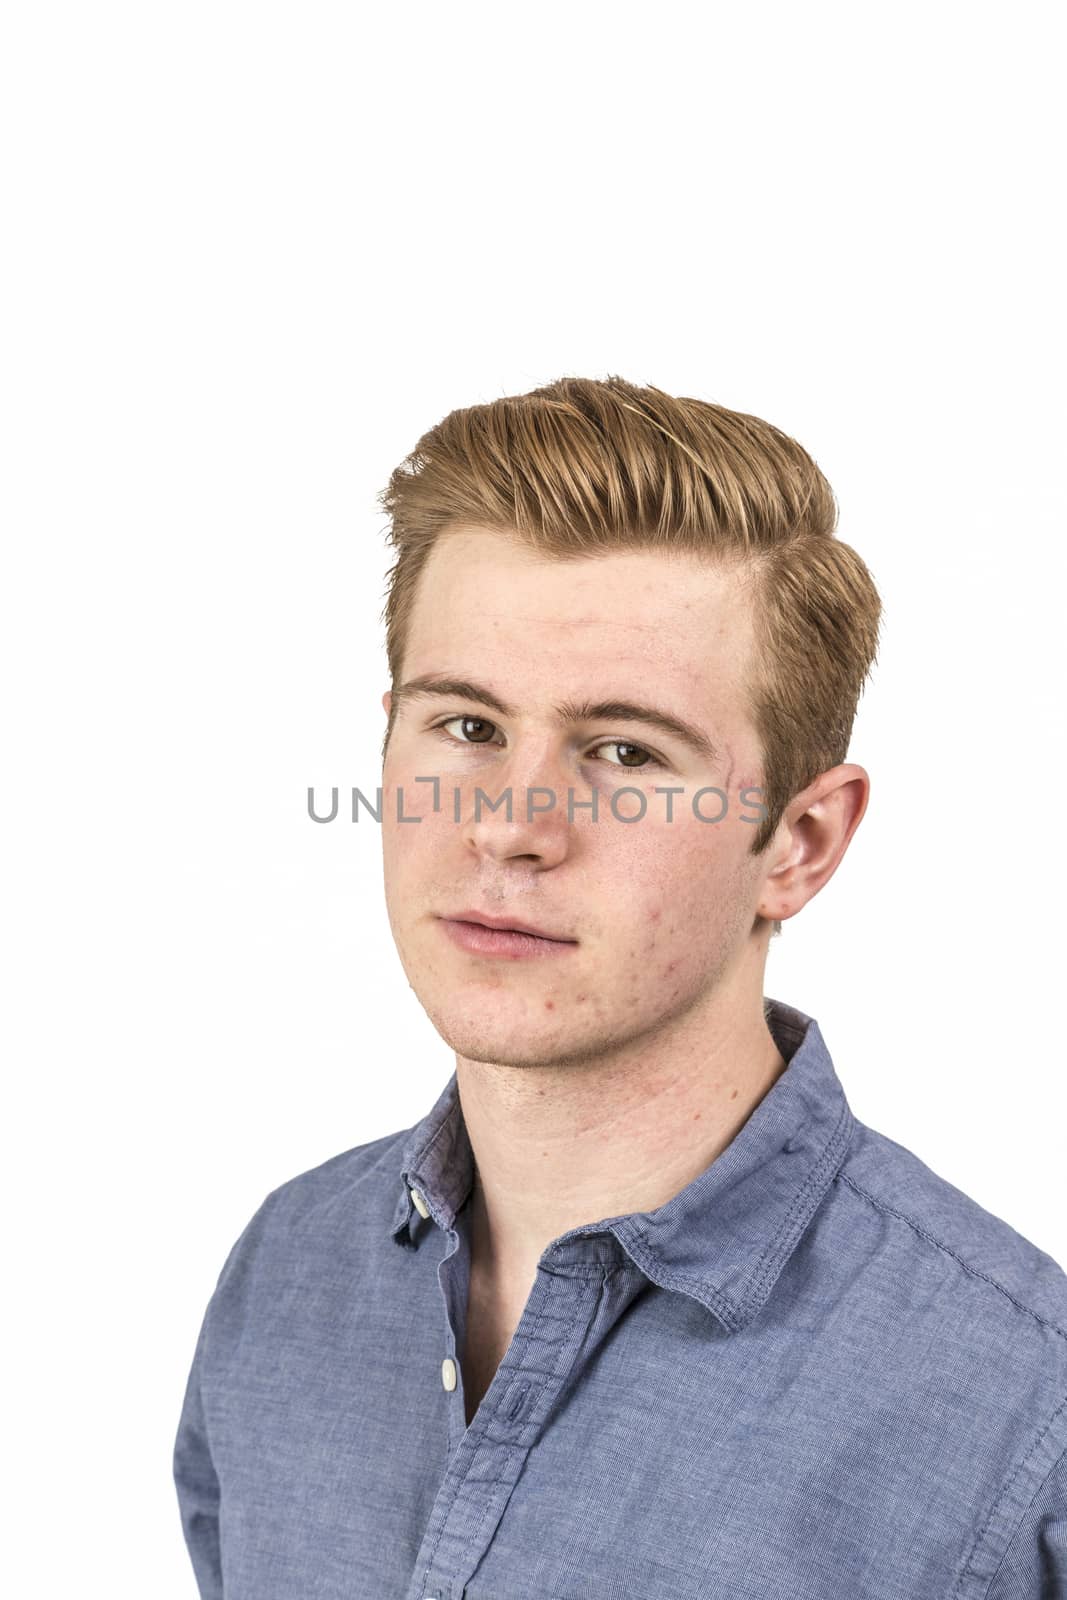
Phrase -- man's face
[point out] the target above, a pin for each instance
(660, 913)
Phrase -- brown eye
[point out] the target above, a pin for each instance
(473, 730)
(644, 758)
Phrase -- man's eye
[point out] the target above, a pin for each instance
(479, 730)
(647, 759)
(477, 724)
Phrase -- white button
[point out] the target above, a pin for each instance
(420, 1204)
(448, 1373)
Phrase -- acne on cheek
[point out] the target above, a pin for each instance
(676, 989)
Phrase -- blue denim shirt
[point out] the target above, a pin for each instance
(819, 1371)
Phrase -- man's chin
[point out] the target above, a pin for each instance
(503, 1044)
(501, 1050)
(518, 1046)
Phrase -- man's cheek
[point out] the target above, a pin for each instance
(407, 802)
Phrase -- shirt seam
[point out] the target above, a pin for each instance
(835, 1150)
(420, 1155)
(916, 1227)
(968, 1570)
(737, 1311)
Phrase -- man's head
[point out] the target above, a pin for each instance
(595, 545)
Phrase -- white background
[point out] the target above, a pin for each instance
(252, 253)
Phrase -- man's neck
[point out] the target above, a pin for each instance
(556, 1146)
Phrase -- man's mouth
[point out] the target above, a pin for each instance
(500, 937)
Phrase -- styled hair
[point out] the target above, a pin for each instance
(585, 467)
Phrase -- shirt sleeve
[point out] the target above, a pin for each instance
(197, 1483)
(1035, 1563)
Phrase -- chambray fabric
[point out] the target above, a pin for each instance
(819, 1371)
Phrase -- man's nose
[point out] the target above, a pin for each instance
(523, 814)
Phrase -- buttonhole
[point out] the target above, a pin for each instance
(516, 1405)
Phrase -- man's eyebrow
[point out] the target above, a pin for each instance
(432, 683)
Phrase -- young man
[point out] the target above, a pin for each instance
(639, 1310)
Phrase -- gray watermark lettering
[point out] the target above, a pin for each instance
(670, 802)
(480, 794)
(311, 806)
(357, 796)
(531, 808)
(760, 807)
(628, 788)
(541, 806)
(700, 815)
(400, 806)
(574, 805)
(436, 790)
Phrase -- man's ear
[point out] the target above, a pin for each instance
(387, 700)
(816, 829)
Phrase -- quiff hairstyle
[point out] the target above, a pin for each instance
(586, 467)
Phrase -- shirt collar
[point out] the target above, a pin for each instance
(723, 1239)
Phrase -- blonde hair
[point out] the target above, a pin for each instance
(584, 467)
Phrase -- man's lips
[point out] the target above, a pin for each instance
(509, 925)
(508, 942)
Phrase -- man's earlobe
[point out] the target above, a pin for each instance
(387, 700)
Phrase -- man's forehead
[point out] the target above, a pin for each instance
(495, 553)
(638, 628)
(679, 607)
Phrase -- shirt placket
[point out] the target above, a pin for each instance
(486, 1459)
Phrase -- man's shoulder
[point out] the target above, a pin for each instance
(372, 1166)
(361, 1181)
(348, 1200)
(937, 1220)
